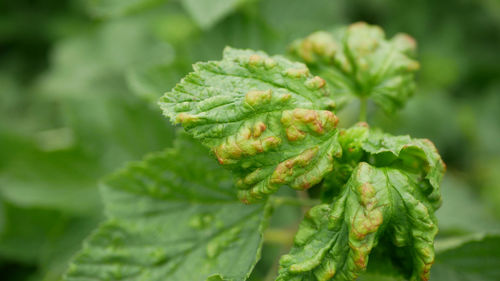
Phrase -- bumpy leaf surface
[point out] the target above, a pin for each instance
(334, 241)
(417, 157)
(174, 216)
(360, 61)
(388, 189)
(265, 118)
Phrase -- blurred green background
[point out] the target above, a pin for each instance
(79, 82)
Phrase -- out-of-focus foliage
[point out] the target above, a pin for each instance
(474, 258)
(79, 81)
(144, 201)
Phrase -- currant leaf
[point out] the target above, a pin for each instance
(358, 61)
(387, 189)
(173, 216)
(264, 118)
(418, 157)
(334, 241)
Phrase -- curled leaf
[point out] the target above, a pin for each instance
(417, 157)
(265, 118)
(387, 189)
(358, 61)
(334, 241)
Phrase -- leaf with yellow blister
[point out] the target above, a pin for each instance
(264, 117)
(358, 61)
(418, 157)
(334, 241)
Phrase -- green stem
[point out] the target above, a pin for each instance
(294, 201)
(362, 110)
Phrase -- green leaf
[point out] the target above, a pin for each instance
(334, 241)
(379, 277)
(207, 13)
(63, 243)
(42, 237)
(281, 16)
(387, 189)
(262, 117)
(418, 157)
(61, 180)
(455, 219)
(358, 61)
(474, 260)
(117, 8)
(25, 231)
(415, 156)
(173, 216)
(86, 81)
(149, 82)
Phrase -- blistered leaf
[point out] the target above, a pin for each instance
(334, 241)
(173, 216)
(417, 157)
(358, 61)
(263, 117)
(388, 188)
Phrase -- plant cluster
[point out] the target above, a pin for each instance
(314, 141)
(271, 122)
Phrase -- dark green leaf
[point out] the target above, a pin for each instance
(208, 12)
(116, 8)
(60, 180)
(173, 216)
(474, 260)
(462, 210)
